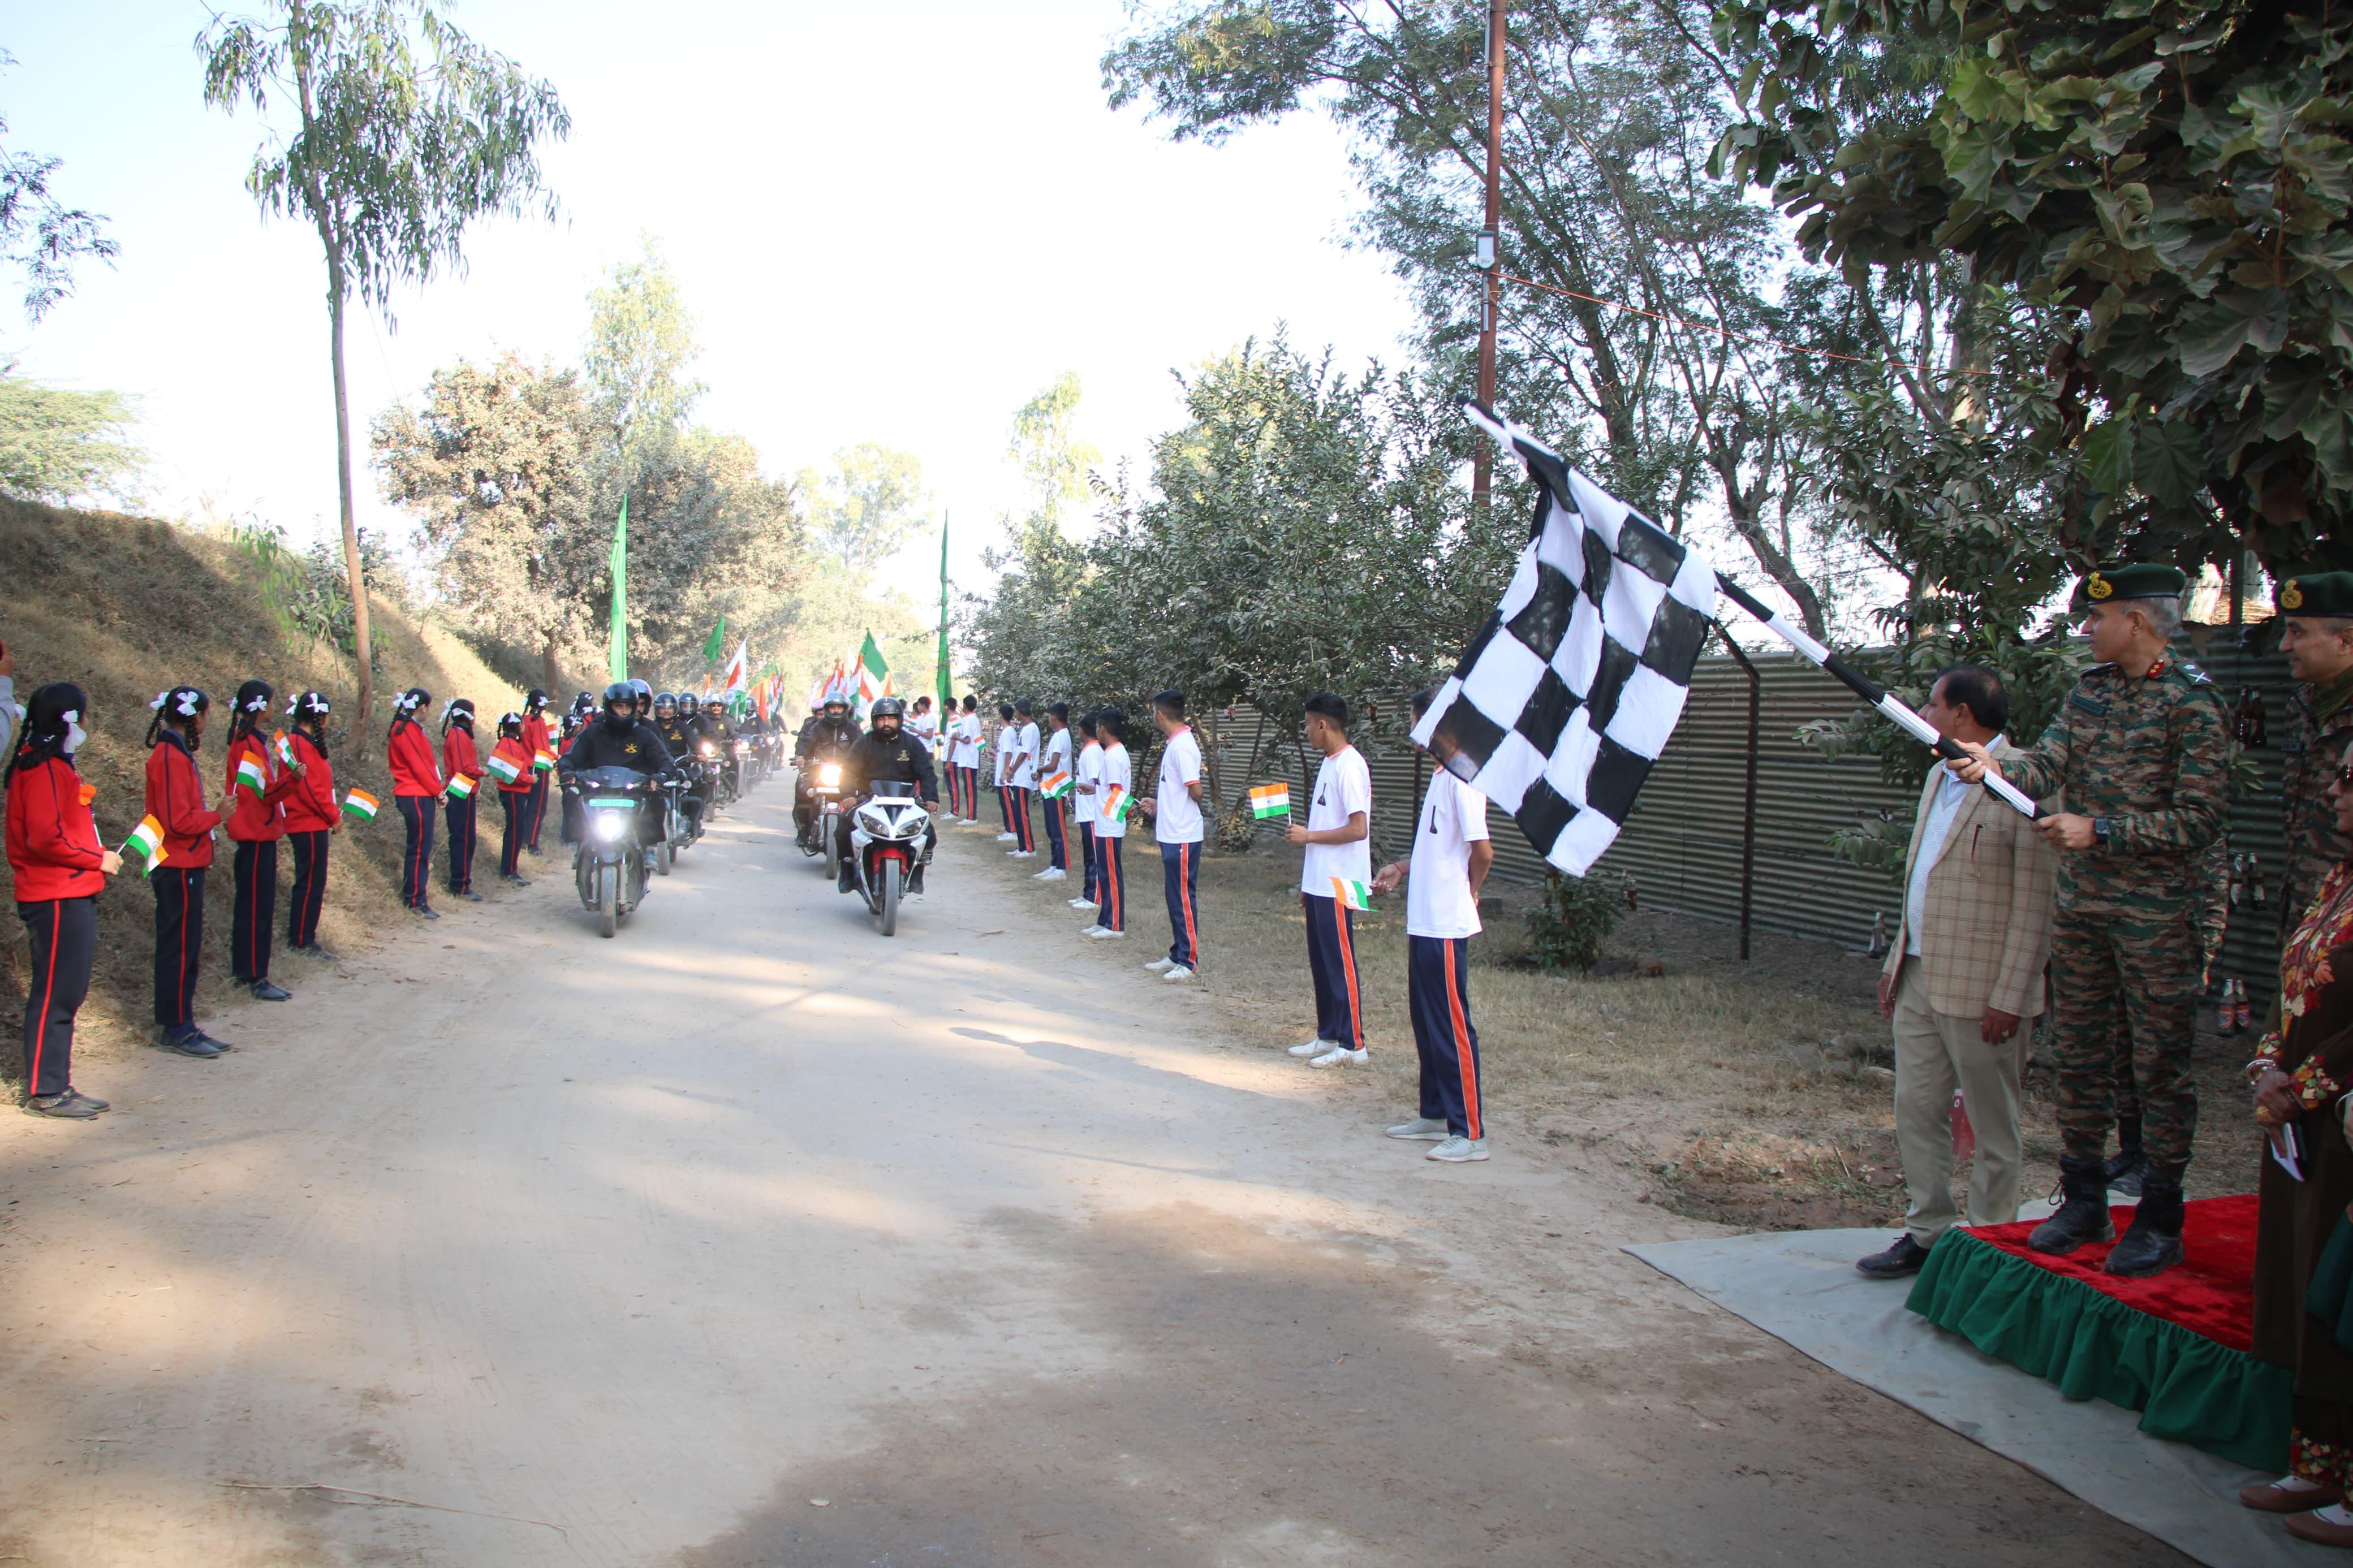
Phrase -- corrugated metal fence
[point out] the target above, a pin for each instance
(1683, 845)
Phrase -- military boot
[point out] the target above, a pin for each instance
(2127, 1168)
(2083, 1216)
(2152, 1244)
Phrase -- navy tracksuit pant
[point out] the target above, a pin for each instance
(1058, 835)
(1438, 990)
(1017, 806)
(1332, 964)
(309, 888)
(256, 914)
(416, 863)
(64, 934)
(179, 943)
(1091, 877)
(462, 843)
(1180, 873)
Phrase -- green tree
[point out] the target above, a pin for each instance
(866, 509)
(641, 346)
(57, 443)
(39, 235)
(403, 131)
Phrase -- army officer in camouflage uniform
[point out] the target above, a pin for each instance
(2142, 753)
(2316, 615)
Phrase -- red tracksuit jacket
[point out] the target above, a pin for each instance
(175, 797)
(519, 754)
(311, 806)
(254, 821)
(414, 769)
(53, 844)
(459, 758)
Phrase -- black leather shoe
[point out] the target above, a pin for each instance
(1902, 1259)
(263, 991)
(90, 1099)
(2152, 1243)
(219, 1046)
(517, 882)
(424, 914)
(321, 953)
(2083, 1216)
(2127, 1170)
(191, 1043)
(68, 1107)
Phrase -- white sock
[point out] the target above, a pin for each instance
(2298, 1484)
(2335, 1514)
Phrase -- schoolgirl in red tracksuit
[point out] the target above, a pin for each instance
(539, 737)
(256, 823)
(175, 799)
(416, 790)
(59, 866)
(514, 798)
(312, 814)
(461, 761)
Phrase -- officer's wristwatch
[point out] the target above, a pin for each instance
(2100, 831)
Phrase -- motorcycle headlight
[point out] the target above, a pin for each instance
(709, 750)
(829, 774)
(610, 824)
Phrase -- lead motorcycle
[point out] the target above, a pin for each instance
(886, 848)
(609, 864)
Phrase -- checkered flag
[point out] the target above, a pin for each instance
(1569, 693)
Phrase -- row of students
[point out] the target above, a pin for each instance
(447, 781)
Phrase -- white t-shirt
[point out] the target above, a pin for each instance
(1058, 755)
(1113, 771)
(1438, 900)
(1025, 768)
(1005, 733)
(964, 751)
(926, 729)
(1088, 770)
(1177, 819)
(1344, 786)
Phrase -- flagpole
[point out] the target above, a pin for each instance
(943, 678)
(618, 654)
(1871, 691)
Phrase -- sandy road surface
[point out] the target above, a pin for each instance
(658, 1241)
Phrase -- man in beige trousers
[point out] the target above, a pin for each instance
(1963, 976)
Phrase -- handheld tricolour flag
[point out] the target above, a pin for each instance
(360, 806)
(250, 777)
(1056, 785)
(1270, 800)
(461, 787)
(543, 760)
(146, 841)
(283, 747)
(1117, 803)
(1566, 696)
(1355, 895)
(506, 768)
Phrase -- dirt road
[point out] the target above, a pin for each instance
(751, 1237)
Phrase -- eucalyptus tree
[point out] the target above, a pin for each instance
(39, 235)
(393, 132)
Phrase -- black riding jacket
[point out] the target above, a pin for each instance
(639, 748)
(896, 759)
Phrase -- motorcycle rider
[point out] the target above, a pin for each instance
(827, 738)
(886, 753)
(618, 739)
(723, 736)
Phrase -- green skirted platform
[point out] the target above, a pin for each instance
(2173, 1348)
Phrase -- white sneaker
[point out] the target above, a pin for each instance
(1009, 838)
(1459, 1150)
(972, 822)
(1312, 1048)
(1022, 854)
(1052, 874)
(1433, 1130)
(1082, 903)
(1158, 964)
(1104, 932)
(1178, 972)
(1339, 1056)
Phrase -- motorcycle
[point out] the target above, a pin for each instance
(825, 805)
(677, 823)
(886, 848)
(747, 767)
(609, 864)
(722, 772)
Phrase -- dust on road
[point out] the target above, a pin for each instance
(636, 1252)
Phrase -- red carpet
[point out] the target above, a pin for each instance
(2212, 1291)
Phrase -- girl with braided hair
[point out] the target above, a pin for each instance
(260, 780)
(175, 799)
(59, 867)
(416, 791)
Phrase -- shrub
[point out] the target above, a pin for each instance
(1567, 927)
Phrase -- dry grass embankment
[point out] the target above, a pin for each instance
(125, 607)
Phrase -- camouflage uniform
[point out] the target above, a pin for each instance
(2309, 757)
(2151, 755)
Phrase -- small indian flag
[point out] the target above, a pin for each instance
(1355, 895)
(1056, 785)
(508, 770)
(461, 787)
(1270, 800)
(1116, 803)
(250, 777)
(544, 761)
(283, 747)
(360, 806)
(146, 841)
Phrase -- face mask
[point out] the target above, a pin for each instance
(74, 736)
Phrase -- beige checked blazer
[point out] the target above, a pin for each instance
(1986, 933)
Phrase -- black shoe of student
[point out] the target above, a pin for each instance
(424, 912)
(68, 1107)
(1905, 1258)
(219, 1046)
(517, 882)
(321, 953)
(264, 991)
(2127, 1170)
(2083, 1216)
(470, 895)
(191, 1043)
(90, 1099)
(2152, 1243)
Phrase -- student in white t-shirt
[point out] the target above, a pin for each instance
(1176, 812)
(1337, 836)
(1001, 747)
(964, 760)
(1086, 773)
(1053, 763)
(1115, 798)
(1020, 744)
(1448, 867)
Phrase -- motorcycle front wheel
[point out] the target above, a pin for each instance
(609, 900)
(886, 900)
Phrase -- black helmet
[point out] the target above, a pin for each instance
(618, 692)
(645, 693)
(687, 704)
(662, 697)
(886, 707)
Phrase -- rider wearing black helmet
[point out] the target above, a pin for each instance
(823, 739)
(616, 741)
(886, 754)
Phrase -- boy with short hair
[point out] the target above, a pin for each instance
(1337, 836)
(1176, 813)
(1114, 779)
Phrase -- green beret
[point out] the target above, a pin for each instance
(2327, 593)
(2139, 581)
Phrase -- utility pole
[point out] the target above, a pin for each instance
(1491, 248)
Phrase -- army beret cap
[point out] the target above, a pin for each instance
(2134, 581)
(2327, 593)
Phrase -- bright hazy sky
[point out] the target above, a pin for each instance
(893, 223)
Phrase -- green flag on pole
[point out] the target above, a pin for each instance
(945, 684)
(717, 640)
(619, 564)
